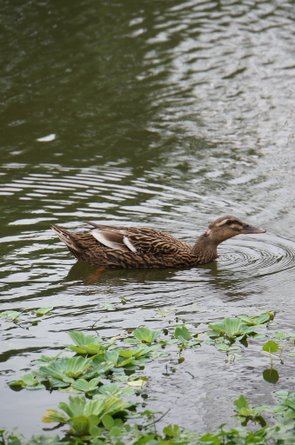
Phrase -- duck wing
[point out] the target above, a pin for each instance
(138, 240)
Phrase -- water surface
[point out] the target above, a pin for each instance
(165, 114)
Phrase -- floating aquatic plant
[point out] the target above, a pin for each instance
(247, 414)
(27, 317)
(100, 416)
(87, 344)
(183, 334)
(146, 335)
(85, 416)
(238, 329)
(95, 360)
(105, 421)
(63, 371)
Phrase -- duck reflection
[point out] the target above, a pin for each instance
(91, 274)
(224, 283)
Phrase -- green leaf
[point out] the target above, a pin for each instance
(17, 385)
(27, 381)
(85, 386)
(241, 403)
(172, 431)
(113, 389)
(44, 440)
(112, 356)
(270, 346)
(80, 339)
(53, 416)
(150, 439)
(80, 425)
(182, 333)
(126, 353)
(210, 439)
(282, 336)
(255, 320)
(246, 414)
(134, 356)
(222, 345)
(232, 327)
(10, 315)
(138, 382)
(108, 421)
(74, 407)
(86, 344)
(146, 335)
(63, 371)
(95, 409)
(116, 431)
(271, 375)
(90, 349)
(43, 311)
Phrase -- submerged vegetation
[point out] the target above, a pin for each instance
(106, 378)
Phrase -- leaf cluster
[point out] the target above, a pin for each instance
(26, 317)
(94, 361)
(232, 330)
(107, 371)
(98, 422)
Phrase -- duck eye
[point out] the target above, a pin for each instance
(231, 222)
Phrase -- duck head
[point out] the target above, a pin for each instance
(228, 226)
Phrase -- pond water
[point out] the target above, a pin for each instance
(163, 114)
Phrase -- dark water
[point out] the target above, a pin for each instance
(165, 114)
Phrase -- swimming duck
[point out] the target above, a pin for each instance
(141, 247)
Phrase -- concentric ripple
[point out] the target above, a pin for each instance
(258, 258)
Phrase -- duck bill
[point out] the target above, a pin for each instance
(247, 229)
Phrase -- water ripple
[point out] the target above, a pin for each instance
(259, 258)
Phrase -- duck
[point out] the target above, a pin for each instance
(109, 247)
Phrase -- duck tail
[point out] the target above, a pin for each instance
(66, 237)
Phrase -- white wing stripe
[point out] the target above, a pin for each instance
(101, 238)
(129, 244)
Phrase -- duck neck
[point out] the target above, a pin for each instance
(205, 249)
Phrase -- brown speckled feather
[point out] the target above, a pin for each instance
(153, 249)
(142, 247)
(146, 240)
